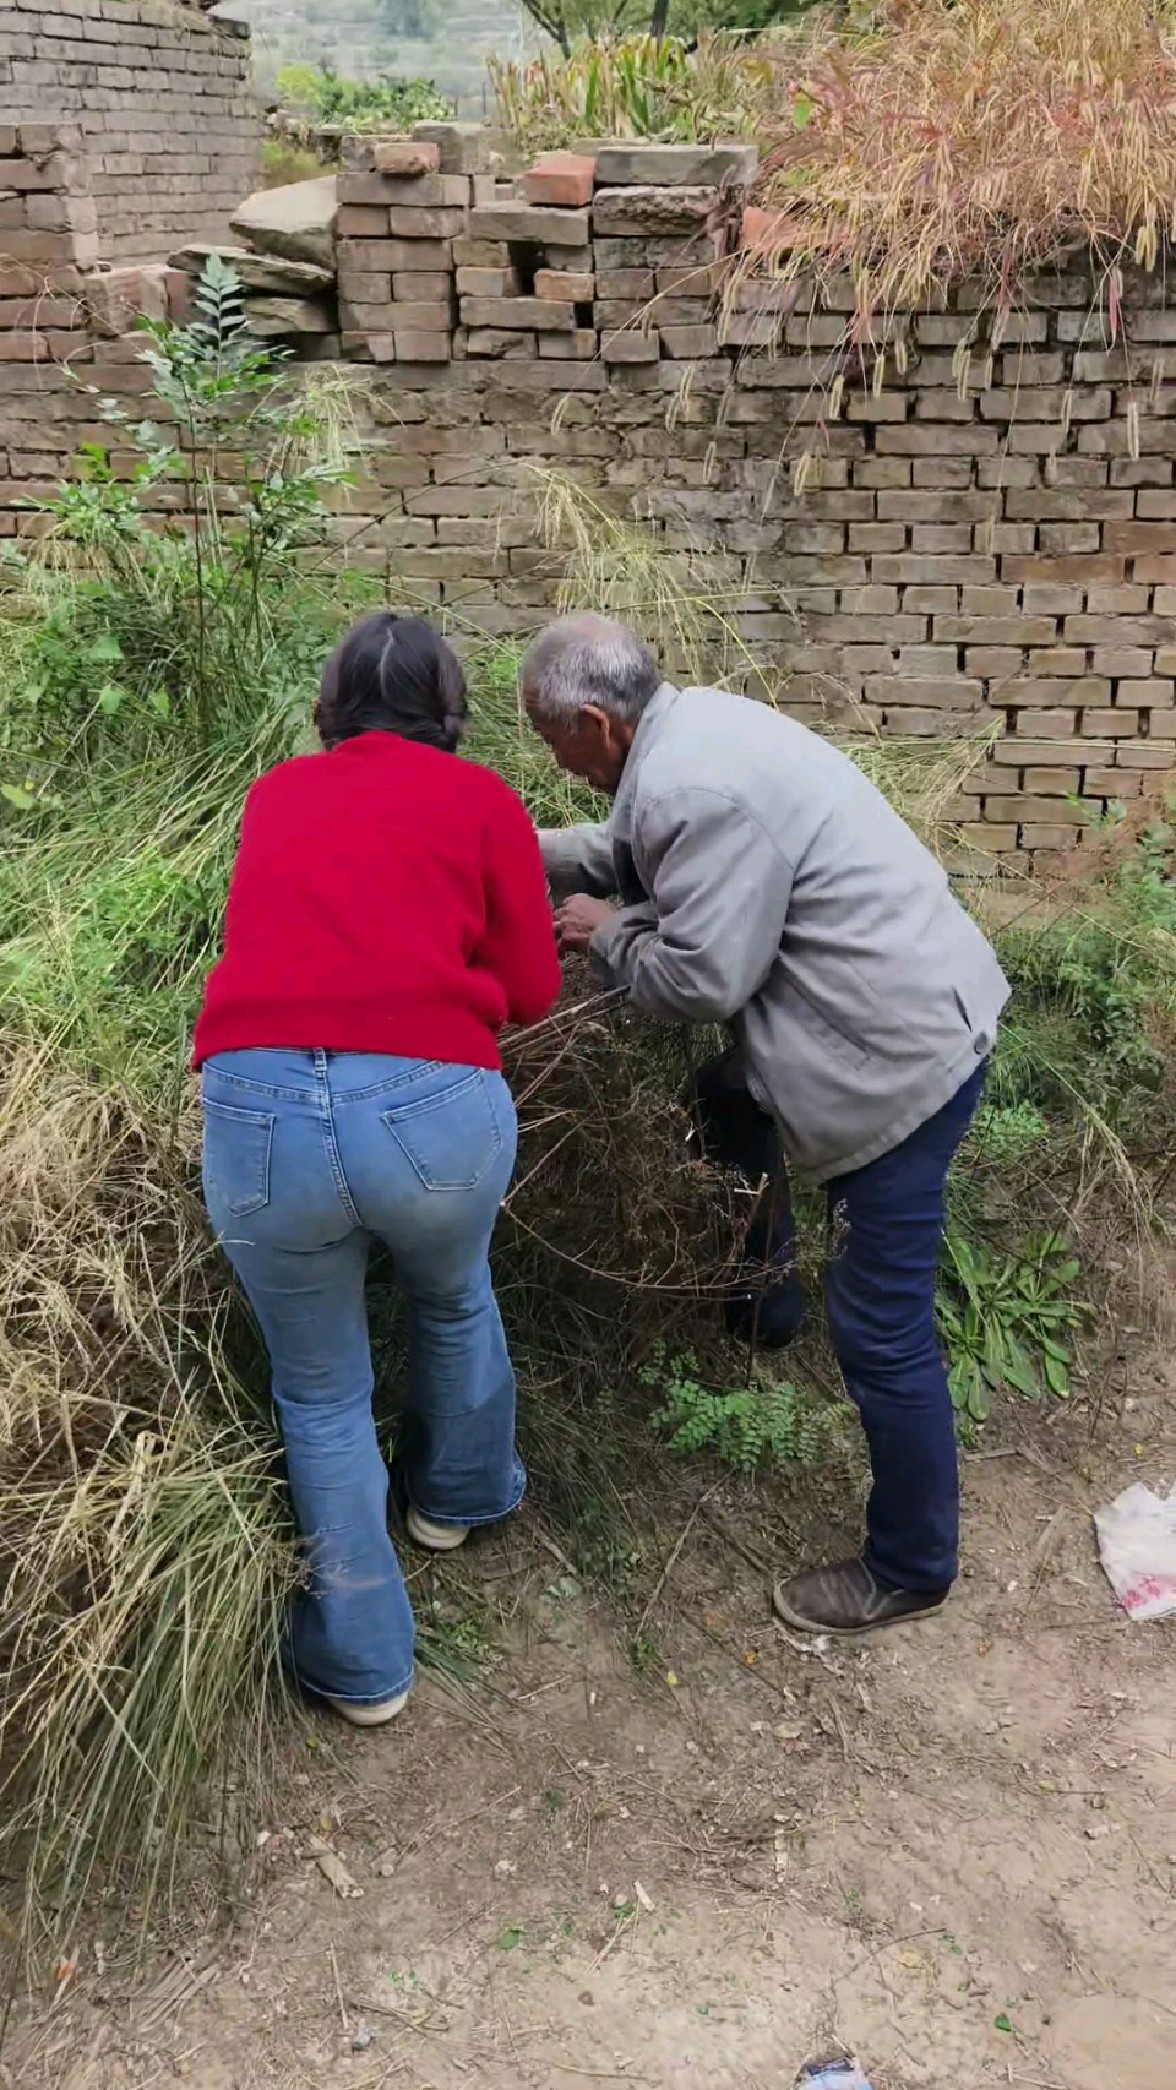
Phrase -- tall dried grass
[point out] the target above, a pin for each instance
(985, 141)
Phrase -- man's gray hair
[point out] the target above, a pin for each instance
(586, 660)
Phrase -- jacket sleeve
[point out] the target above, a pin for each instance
(579, 860)
(721, 888)
(518, 942)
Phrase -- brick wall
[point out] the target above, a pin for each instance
(978, 543)
(162, 96)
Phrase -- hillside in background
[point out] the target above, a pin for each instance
(447, 41)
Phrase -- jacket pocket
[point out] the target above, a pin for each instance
(237, 1148)
(819, 1032)
(452, 1137)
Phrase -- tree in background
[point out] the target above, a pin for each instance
(572, 21)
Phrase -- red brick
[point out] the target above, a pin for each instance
(1058, 660)
(560, 285)
(1148, 691)
(1062, 538)
(994, 663)
(412, 347)
(434, 284)
(1051, 783)
(561, 178)
(580, 345)
(1140, 537)
(361, 221)
(1141, 757)
(406, 223)
(1122, 600)
(1111, 725)
(1077, 691)
(995, 631)
(1000, 836)
(630, 347)
(1099, 566)
(1122, 660)
(686, 343)
(919, 567)
(1043, 836)
(406, 156)
(1041, 599)
(385, 256)
(962, 693)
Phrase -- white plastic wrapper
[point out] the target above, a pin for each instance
(1137, 1545)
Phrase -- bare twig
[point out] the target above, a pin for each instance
(675, 1555)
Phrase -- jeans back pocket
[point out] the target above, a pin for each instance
(237, 1148)
(451, 1137)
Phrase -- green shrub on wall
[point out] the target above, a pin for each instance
(325, 98)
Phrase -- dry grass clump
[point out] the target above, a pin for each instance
(144, 1553)
(985, 141)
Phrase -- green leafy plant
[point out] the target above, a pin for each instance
(321, 98)
(635, 87)
(113, 619)
(746, 1426)
(575, 23)
(1008, 1321)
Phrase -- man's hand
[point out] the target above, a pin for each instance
(577, 921)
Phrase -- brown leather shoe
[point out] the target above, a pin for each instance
(847, 1598)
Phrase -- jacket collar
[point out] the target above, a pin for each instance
(653, 719)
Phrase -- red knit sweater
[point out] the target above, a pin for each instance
(385, 898)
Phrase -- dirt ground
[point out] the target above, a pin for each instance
(950, 1851)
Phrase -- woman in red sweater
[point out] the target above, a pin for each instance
(387, 916)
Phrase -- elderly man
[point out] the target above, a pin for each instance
(763, 883)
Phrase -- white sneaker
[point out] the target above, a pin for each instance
(369, 1715)
(438, 1538)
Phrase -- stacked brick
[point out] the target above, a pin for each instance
(48, 239)
(525, 280)
(404, 206)
(62, 319)
(163, 98)
(663, 218)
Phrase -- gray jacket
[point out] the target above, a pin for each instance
(767, 885)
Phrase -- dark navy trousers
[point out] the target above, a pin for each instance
(886, 1235)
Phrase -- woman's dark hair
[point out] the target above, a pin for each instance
(393, 675)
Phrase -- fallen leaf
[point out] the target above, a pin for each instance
(333, 1869)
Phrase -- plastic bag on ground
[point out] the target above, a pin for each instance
(832, 2075)
(1137, 1546)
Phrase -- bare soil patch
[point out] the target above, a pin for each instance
(951, 1850)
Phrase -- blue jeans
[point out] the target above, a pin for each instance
(308, 1158)
(886, 1223)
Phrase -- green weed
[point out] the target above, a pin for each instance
(1008, 1322)
(745, 1427)
(318, 96)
